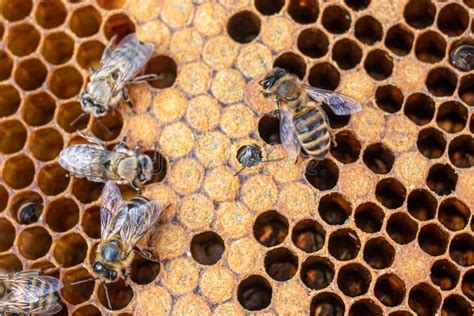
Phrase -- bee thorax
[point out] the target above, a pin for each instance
(127, 168)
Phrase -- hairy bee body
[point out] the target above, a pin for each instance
(28, 212)
(250, 155)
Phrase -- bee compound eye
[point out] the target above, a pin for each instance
(97, 267)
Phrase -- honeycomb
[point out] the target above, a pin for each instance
(382, 226)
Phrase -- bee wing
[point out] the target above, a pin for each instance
(110, 205)
(339, 103)
(30, 287)
(288, 136)
(49, 305)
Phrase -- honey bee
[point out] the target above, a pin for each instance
(96, 163)
(118, 67)
(28, 292)
(303, 123)
(462, 57)
(29, 212)
(251, 156)
(123, 224)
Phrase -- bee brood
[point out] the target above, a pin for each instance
(29, 212)
(462, 57)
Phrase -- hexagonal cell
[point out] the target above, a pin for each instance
(391, 193)
(379, 64)
(45, 144)
(34, 242)
(3, 197)
(379, 253)
(401, 228)
(336, 19)
(108, 127)
(9, 100)
(65, 82)
(444, 274)
(442, 179)
(419, 108)
(26, 207)
(424, 299)
(308, 235)
(453, 19)
(322, 175)
(430, 47)
(365, 307)
(461, 151)
(431, 143)
(421, 204)
(452, 116)
(344, 244)
(399, 39)
(22, 39)
(313, 43)
(87, 310)
(111, 4)
(30, 74)
(12, 136)
(441, 82)
(281, 264)
(68, 117)
(91, 222)
(433, 240)
(52, 179)
(89, 54)
(357, 5)
(38, 108)
(456, 305)
(327, 303)
(120, 25)
(47, 268)
(324, 76)
(346, 53)
(254, 293)
(6, 65)
(389, 98)
(390, 290)
(57, 48)
(62, 214)
(70, 249)
(7, 234)
(466, 90)
(86, 191)
(419, 13)
(143, 271)
(50, 14)
(243, 27)
(461, 249)
(77, 293)
(18, 171)
(368, 30)
(454, 214)
(159, 166)
(467, 285)
(353, 279)
(15, 10)
(85, 21)
(347, 149)
(317, 272)
(10, 263)
(269, 129)
(369, 217)
(292, 63)
(378, 158)
(166, 69)
(303, 12)
(207, 248)
(334, 209)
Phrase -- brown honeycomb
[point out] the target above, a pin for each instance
(382, 226)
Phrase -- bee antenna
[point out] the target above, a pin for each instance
(77, 119)
(239, 171)
(83, 281)
(105, 128)
(107, 296)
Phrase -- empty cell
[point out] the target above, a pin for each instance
(165, 68)
(22, 39)
(336, 19)
(442, 179)
(85, 21)
(444, 274)
(12, 136)
(419, 13)
(143, 271)
(334, 209)
(391, 193)
(7, 234)
(3, 198)
(90, 221)
(62, 214)
(399, 39)
(357, 5)
(107, 128)
(327, 303)
(456, 305)
(348, 147)
(303, 11)
(378, 158)
(26, 207)
(15, 10)
(308, 235)
(421, 204)
(430, 47)
(324, 76)
(45, 144)
(346, 53)
(34, 242)
(453, 19)
(87, 310)
(269, 129)
(281, 264)
(466, 90)
(431, 143)
(118, 25)
(57, 48)
(243, 27)
(419, 108)
(390, 290)
(30, 74)
(461, 249)
(461, 151)
(9, 100)
(10, 262)
(467, 285)
(80, 293)
(269, 7)
(365, 307)
(70, 250)
(47, 268)
(454, 214)
(68, 117)
(401, 228)
(441, 82)
(452, 116)
(65, 82)
(433, 240)
(86, 191)
(254, 293)
(379, 253)
(207, 248)
(389, 98)
(6, 65)
(353, 279)
(313, 43)
(317, 272)
(111, 4)
(89, 54)
(38, 108)
(322, 175)
(53, 179)
(424, 299)
(292, 63)
(344, 244)
(18, 171)
(368, 30)
(159, 166)
(369, 217)
(50, 14)
(378, 64)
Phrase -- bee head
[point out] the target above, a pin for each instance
(272, 77)
(250, 156)
(28, 213)
(146, 168)
(91, 107)
(104, 272)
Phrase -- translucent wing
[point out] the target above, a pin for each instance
(110, 205)
(339, 103)
(288, 136)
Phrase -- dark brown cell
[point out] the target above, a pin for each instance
(50, 14)
(461, 249)
(62, 214)
(390, 290)
(452, 116)
(369, 217)
(467, 285)
(22, 39)
(454, 214)
(243, 27)
(378, 64)
(442, 179)
(357, 5)
(461, 151)
(270, 228)
(391, 193)
(334, 209)
(254, 293)
(422, 204)
(365, 307)
(322, 175)
(433, 240)
(15, 10)
(336, 19)
(34, 242)
(68, 117)
(70, 250)
(399, 39)
(86, 191)
(10, 100)
(354, 279)
(317, 272)
(303, 11)
(269, 7)
(77, 294)
(57, 48)
(90, 222)
(281, 264)
(269, 129)
(430, 47)
(431, 143)
(45, 144)
(207, 248)
(346, 53)
(324, 76)
(344, 244)
(368, 30)
(424, 299)
(118, 25)
(378, 158)
(456, 305)
(120, 293)
(453, 19)
(379, 253)
(30, 74)
(389, 98)
(18, 171)
(308, 235)
(85, 21)
(143, 271)
(107, 128)
(444, 274)
(466, 90)
(12, 136)
(348, 147)
(165, 68)
(441, 82)
(292, 63)
(313, 43)
(401, 228)
(419, 108)
(7, 234)
(419, 13)
(6, 65)
(327, 303)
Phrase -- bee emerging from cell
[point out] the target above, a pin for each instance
(462, 57)
(29, 212)
(251, 156)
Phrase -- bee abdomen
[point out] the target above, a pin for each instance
(313, 133)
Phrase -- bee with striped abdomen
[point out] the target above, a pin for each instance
(303, 123)
(251, 156)
(28, 292)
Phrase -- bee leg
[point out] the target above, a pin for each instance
(134, 186)
(126, 97)
(91, 139)
(147, 77)
(145, 254)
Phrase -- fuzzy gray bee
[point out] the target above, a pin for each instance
(28, 292)
(96, 163)
(251, 156)
(29, 212)
(118, 67)
(462, 57)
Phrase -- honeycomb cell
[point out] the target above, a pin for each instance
(369, 217)
(327, 302)
(270, 228)
(45, 144)
(399, 39)
(111, 4)
(7, 234)
(243, 27)
(379, 253)
(336, 19)
(45, 265)
(378, 158)
(23, 198)
(87, 310)
(357, 5)
(303, 12)
(65, 82)
(334, 209)
(165, 67)
(313, 43)
(317, 272)
(419, 13)
(159, 166)
(15, 10)
(344, 244)
(38, 108)
(52, 179)
(6, 65)
(269, 7)
(442, 179)
(85, 21)
(18, 171)
(281, 264)
(452, 116)
(430, 47)
(57, 48)
(292, 63)
(144, 271)
(322, 175)
(466, 90)
(308, 235)
(461, 249)
(86, 191)
(89, 54)
(71, 249)
(368, 30)
(325, 76)
(10, 262)
(378, 64)
(346, 53)
(353, 279)
(461, 151)
(431, 143)
(90, 222)
(22, 39)
(424, 299)
(419, 108)
(70, 117)
(421, 204)
(254, 293)
(30, 74)
(50, 14)
(118, 25)
(390, 192)
(269, 129)
(62, 214)
(433, 240)
(453, 19)
(3, 198)
(456, 305)
(78, 293)
(9, 100)
(401, 228)
(444, 274)
(207, 248)
(107, 128)
(365, 307)
(34, 242)
(347, 149)
(441, 82)
(12, 136)
(453, 214)
(467, 285)
(389, 98)
(390, 290)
